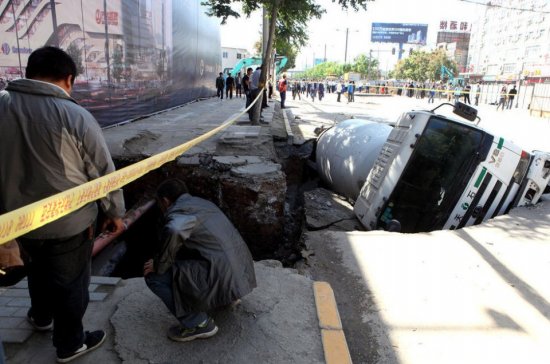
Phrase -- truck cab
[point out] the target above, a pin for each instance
(434, 173)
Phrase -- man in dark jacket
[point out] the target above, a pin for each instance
(49, 144)
(220, 85)
(229, 86)
(203, 262)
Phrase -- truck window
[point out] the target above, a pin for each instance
(443, 161)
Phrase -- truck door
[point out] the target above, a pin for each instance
(492, 187)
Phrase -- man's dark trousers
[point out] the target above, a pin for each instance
(58, 276)
(161, 285)
(220, 93)
(248, 102)
(283, 98)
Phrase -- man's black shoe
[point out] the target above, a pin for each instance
(92, 341)
(39, 325)
(203, 331)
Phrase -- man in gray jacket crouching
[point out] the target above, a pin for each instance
(202, 263)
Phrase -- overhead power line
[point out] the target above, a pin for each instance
(490, 4)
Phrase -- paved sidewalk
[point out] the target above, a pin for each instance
(276, 323)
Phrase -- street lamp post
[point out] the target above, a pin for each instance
(346, 51)
(519, 83)
(369, 64)
(346, 47)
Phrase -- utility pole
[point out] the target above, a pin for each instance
(369, 64)
(346, 51)
(325, 58)
(519, 83)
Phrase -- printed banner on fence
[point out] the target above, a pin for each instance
(134, 57)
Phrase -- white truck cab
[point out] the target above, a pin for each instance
(434, 173)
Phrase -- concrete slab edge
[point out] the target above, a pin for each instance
(335, 346)
(288, 128)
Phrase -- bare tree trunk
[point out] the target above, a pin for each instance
(267, 58)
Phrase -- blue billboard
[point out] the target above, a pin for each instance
(399, 33)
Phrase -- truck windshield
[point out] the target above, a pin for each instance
(435, 176)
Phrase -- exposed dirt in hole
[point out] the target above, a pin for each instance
(280, 241)
(299, 178)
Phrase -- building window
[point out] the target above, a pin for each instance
(532, 51)
(239, 56)
(225, 55)
(509, 68)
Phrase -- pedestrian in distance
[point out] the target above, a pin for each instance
(202, 262)
(229, 86)
(220, 85)
(246, 88)
(457, 93)
(511, 95)
(270, 87)
(321, 91)
(339, 90)
(467, 90)
(502, 98)
(238, 86)
(350, 92)
(296, 88)
(256, 109)
(282, 90)
(431, 94)
(475, 92)
(51, 144)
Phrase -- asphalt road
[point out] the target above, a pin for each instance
(528, 132)
(476, 295)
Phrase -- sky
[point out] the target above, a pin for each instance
(330, 30)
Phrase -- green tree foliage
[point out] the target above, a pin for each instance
(365, 65)
(423, 66)
(323, 70)
(362, 64)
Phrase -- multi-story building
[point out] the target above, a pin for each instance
(456, 45)
(511, 41)
(230, 57)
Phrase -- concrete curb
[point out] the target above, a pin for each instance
(289, 132)
(335, 346)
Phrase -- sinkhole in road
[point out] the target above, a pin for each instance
(271, 225)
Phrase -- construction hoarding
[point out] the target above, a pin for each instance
(134, 57)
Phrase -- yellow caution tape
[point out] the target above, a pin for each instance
(436, 90)
(27, 218)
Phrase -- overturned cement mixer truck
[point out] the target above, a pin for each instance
(428, 172)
